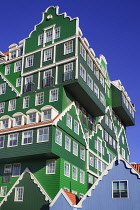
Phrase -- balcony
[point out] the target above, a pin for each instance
(68, 76)
(28, 87)
(48, 81)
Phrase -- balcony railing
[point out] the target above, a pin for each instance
(68, 76)
(48, 81)
(6, 178)
(28, 87)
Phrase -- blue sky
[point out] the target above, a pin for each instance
(112, 29)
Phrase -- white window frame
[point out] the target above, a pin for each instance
(75, 148)
(14, 167)
(74, 173)
(48, 115)
(82, 153)
(91, 160)
(3, 191)
(12, 105)
(102, 98)
(102, 81)
(82, 73)
(11, 139)
(90, 179)
(53, 96)
(30, 116)
(49, 36)
(7, 69)
(50, 166)
(43, 130)
(27, 102)
(68, 47)
(67, 143)
(3, 124)
(39, 100)
(119, 181)
(48, 54)
(66, 169)
(89, 62)
(18, 82)
(57, 33)
(2, 139)
(69, 121)
(41, 39)
(2, 107)
(2, 88)
(90, 82)
(17, 194)
(58, 141)
(76, 127)
(29, 61)
(23, 137)
(18, 66)
(82, 52)
(96, 90)
(82, 177)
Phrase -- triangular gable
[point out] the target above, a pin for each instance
(47, 198)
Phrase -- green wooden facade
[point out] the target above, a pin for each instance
(60, 114)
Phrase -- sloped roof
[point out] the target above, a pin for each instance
(6, 53)
(136, 166)
(72, 197)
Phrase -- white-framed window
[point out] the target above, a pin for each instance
(106, 119)
(7, 69)
(48, 54)
(12, 105)
(57, 32)
(96, 163)
(91, 160)
(82, 72)
(58, 137)
(18, 66)
(89, 62)
(47, 115)
(82, 153)
(18, 82)
(53, 95)
(96, 90)
(110, 140)
(110, 124)
(41, 39)
(49, 36)
(50, 166)
(29, 80)
(68, 68)
(12, 140)
(2, 106)
(26, 102)
(90, 179)
(39, 98)
(102, 98)
(29, 61)
(18, 120)
(2, 138)
(7, 169)
(75, 148)
(43, 134)
(67, 143)
(123, 153)
(76, 127)
(27, 137)
(67, 169)
(69, 121)
(110, 157)
(99, 165)
(82, 177)
(16, 169)
(96, 71)
(120, 189)
(13, 54)
(3, 191)
(123, 139)
(31, 118)
(2, 88)
(68, 47)
(90, 82)
(5, 123)
(114, 144)
(106, 136)
(82, 51)
(74, 173)
(19, 191)
(102, 81)
(115, 130)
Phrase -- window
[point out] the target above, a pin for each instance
(68, 68)
(99, 165)
(114, 144)
(5, 123)
(12, 105)
(49, 36)
(2, 105)
(90, 179)
(83, 52)
(3, 191)
(75, 148)
(53, 95)
(96, 163)
(16, 169)
(89, 82)
(18, 66)
(18, 82)
(67, 169)
(41, 39)
(89, 62)
(105, 136)
(83, 73)
(67, 143)
(69, 121)
(12, 140)
(82, 153)
(13, 54)
(18, 121)
(2, 141)
(32, 118)
(48, 54)
(84, 117)
(50, 166)
(39, 99)
(68, 47)
(26, 102)
(58, 137)
(20, 51)
(110, 157)
(82, 177)
(91, 160)
(48, 79)
(2, 88)
(7, 69)
(29, 61)
(74, 173)
(110, 124)
(110, 140)
(102, 98)
(57, 33)
(96, 71)
(47, 115)
(76, 127)
(106, 119)
(7, 173)
(19, 191)
(90, 122)
(96, 90)
(102, 80)
(43, 134)
(27, 137)
(120, 189)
